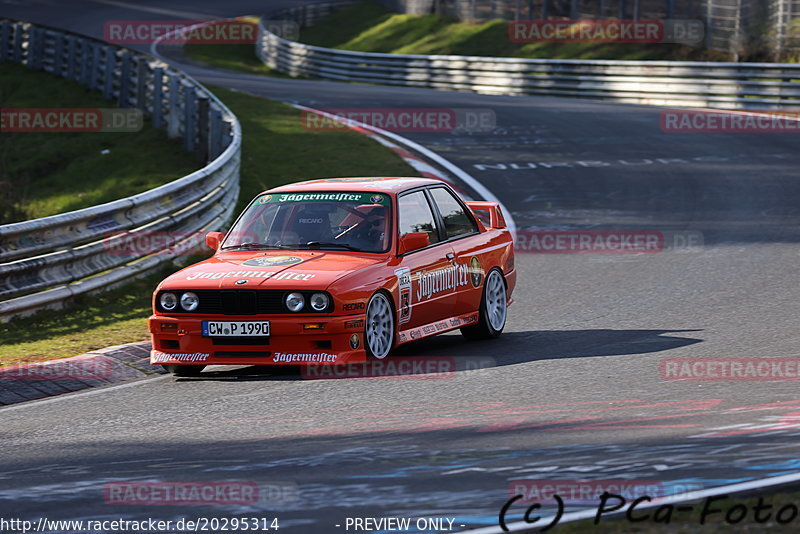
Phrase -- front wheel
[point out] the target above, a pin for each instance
(493, 309)
(184, 370)
(379, 331)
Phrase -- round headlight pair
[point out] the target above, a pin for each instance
(189, 301)
(295, 302)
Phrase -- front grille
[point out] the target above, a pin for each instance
(235, 302)
(240, 301)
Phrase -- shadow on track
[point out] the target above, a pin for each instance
(461, 355)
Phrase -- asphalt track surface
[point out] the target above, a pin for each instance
(572, 391)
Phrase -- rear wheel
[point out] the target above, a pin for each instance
(184, 370)
(379, 330)
(493, 309)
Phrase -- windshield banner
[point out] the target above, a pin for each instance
(363, 198)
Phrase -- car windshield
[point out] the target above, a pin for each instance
(325, 220)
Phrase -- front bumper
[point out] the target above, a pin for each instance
(338, 340)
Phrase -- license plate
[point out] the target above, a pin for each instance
(235, 328)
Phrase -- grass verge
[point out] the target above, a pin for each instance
(44, 174)
(276, 150)
(368, 27)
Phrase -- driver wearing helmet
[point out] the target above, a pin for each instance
(370, 233)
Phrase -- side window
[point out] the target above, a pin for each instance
(415, 216)
(456, 222)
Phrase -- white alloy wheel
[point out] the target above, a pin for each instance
(380, 326)
(496, 301)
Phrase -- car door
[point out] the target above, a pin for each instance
(425, 290)
(469, 245)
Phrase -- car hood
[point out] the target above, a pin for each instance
(307, 269)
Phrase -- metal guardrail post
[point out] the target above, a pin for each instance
(35, 48)
(5, 33)
(214, 133)
(173, 115)
(123, 100)
(18, 31)
(69, 69)
(94, 71)
(108, 72)
(141, 83)
(85, 66)
(189, 117)
(58, 54)
(202, 127)
(227, 133)
(158, 103)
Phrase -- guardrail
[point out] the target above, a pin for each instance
(668, 83)
(44, 262)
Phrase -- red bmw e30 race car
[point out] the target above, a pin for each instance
(337, 271)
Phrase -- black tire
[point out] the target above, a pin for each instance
(184, 370)
(379, 332)
(484, 329)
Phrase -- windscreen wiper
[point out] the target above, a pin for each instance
(318, 244)
(254, 246)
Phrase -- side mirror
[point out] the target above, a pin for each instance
(213, 239)
(413, 241)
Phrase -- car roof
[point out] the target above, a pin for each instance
(381, 184)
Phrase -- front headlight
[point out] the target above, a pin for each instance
(168, 301)
(189, 302)
(295, 302)
(319, 301)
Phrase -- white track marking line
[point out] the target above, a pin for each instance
(90, 391)
(689, 496)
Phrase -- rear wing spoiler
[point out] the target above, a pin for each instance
(489, 213)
